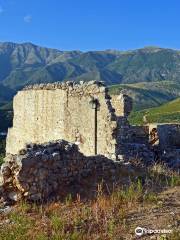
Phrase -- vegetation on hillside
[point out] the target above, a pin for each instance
(166, 113)
(148, 94)
(27, 63)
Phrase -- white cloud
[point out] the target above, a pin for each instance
(27, 18)
(1, 10)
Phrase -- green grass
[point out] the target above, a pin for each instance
(104, 217)
(166, 113)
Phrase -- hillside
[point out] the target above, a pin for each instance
(169, 112)
(22, 64)
(6, 94)
(148, 94)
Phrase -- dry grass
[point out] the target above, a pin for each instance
(109, 216)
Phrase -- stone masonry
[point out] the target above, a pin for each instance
(83, 114)
(49, 112)
(97, 140)
(41, 172)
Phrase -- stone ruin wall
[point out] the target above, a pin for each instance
(48, 112)
(39, 171)
(52, 170)
(122, 104)
(166, 143)
(44, 113)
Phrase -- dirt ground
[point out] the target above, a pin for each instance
(165, 214)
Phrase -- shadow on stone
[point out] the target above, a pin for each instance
(51, 171)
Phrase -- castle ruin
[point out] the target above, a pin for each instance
(65, 132)
(82, 114)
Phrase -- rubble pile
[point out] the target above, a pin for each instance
(42, 171)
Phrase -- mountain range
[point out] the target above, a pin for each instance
(26, 63)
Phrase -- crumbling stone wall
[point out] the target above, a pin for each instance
(86, 115)
(166, 139)
(49, 112)
(169, 135)
(138, 134)
(133, 142)
(44, 113)
(122, 104)
(37, 171)
(41, 172)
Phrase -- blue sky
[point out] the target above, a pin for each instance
(91, 24)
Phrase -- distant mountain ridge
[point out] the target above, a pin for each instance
(26, 63)
(21, 64)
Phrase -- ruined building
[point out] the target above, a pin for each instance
(64, 133)
(81, 114)
(86, 115)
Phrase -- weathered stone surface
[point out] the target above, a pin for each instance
(37, 175)
(122, 104)
(48, 112)
(38, 165)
